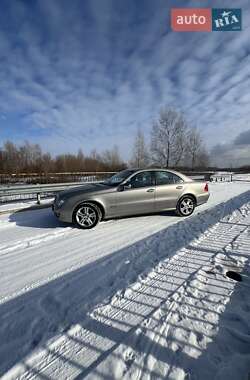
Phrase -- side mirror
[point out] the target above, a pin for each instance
(127, 186)
(120, 188)
(124, 186)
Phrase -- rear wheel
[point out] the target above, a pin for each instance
(185, 206)
(86, 216)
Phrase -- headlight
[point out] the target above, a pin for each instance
(60, 202)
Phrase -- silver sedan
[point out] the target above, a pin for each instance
(130, 192)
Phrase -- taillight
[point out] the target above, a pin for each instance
(206, 187)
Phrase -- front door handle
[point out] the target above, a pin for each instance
(179, 187)
(150, 190)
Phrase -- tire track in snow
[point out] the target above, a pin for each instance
(71, 235)
(38, 239)
(31, 242)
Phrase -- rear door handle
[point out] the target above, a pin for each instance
(150, 190)
(179, 187)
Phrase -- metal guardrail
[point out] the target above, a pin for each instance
(205, 176)
(51, 178)
(8, 191)
(222, 178)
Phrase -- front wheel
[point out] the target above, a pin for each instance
(185, 206)
(86, 216)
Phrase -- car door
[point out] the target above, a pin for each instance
(137, 195)
(169, 188)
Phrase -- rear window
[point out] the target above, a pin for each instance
(167, 178)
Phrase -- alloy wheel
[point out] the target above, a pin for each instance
(187, 206)
(86, 216)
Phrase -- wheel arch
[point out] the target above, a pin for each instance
(93, 202)
(189, 195)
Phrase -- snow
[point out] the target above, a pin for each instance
(20, 205)
(134, 298)
(241, 177)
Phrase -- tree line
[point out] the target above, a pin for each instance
(29, 158)
(173, 144)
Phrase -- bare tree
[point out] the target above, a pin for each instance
(112, 159)
(47, 164)
(11, 161)
(194, 143)
(30, 157)
(196, 154)
(140, 155)
(80, 157)
(168, 138)
(2, 160)
(203, 159)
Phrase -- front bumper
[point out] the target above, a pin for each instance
(61, 214)
(55, 211)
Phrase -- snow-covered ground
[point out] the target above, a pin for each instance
(20, 205)
(241, 177)
(143, 297)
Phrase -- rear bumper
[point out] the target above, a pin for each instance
(202, 198)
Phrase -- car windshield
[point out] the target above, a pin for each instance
(118, 177)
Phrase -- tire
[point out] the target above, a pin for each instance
(86, 216)
(185, 206)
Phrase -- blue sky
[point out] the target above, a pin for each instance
(88, 73)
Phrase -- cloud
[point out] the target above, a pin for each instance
(233, 154)
(87, 74)
(243, 139)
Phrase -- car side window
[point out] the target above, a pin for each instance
(166, 178)
(143, 179)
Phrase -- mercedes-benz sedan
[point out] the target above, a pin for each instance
(130, 192)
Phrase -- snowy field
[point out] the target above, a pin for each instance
(136, 298)
(20, 205)
(241, 177)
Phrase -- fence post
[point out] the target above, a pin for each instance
(38, 198)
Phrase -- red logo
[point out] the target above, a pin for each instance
(191, 19)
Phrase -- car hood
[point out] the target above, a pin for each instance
(88, 188)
